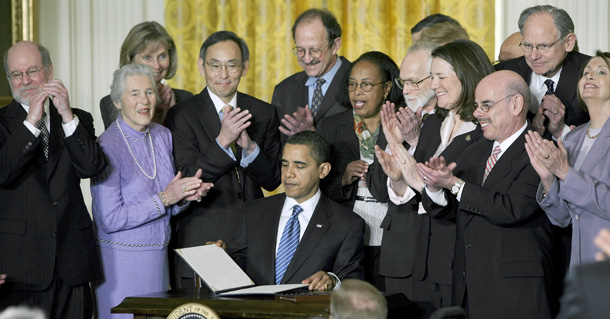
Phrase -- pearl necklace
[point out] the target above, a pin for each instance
(589, 135)
(134, 157)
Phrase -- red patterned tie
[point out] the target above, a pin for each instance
(491, 161)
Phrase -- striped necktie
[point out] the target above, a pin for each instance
(317, 96)
(44, 134)
(226, 109)
(288, 244)
(491, 162)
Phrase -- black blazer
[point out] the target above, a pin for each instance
(338, 130)
(566, 89)
(195, 125)
(44, 222)
(586, 293)
(109, 112)
(504, 245)
(435, 238)
(333, 242)
(292, 93)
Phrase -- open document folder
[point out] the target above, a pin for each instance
(222, 275)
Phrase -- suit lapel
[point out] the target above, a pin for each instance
(269, 234)
(504, 164)
(566, 90)
(55, 140)
(573, 145)
(598, 151)
(318, 225)
(208, 116)
(330, 97)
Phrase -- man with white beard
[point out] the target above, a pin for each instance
(415, 84)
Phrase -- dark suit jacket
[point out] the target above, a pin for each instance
(586, 293)
(435, 241)
(338, 130)
(503, 251)
(109, 112)
(195, 125)
(332, 242)
(44, 224)
(292, 93)
(565, 90)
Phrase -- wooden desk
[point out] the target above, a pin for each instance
(159, 305)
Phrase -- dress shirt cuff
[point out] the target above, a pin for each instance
(227, 150)
(32, 128)
(248, 159)
(70, 127)
(337, 280)
(459, 194)
(438, 198)
(397, 199)
(566, 130)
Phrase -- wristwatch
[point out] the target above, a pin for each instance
(455, 188)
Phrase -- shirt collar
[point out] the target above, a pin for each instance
(219, 104)
(510, 140)
(538, 81)
(328, 76)
(308, 206)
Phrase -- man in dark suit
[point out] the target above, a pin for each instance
(329, 243)
(304, 98)
(504, 246)
(47, 247)
(232, 136)
(549, 45)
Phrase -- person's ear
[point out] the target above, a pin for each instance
(324, 169)
(570, 42)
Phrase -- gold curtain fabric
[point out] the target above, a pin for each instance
(265, 25)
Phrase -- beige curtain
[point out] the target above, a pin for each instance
(265, 25)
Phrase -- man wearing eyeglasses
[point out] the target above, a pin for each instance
(232, 137)
(47, 247)
(503, 265)
(550, 66)
(304, 98)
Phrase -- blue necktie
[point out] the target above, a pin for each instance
(288, 244)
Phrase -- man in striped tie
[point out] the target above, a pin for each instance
(300, 236)
(503, 251)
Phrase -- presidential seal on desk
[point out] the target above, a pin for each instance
(193, 311)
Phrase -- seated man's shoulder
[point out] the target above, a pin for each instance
(342, 212)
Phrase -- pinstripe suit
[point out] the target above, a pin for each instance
(45, 230)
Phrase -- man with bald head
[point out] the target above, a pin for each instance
(47, 247)
(503, 252)
(550, 66)
(510, 48)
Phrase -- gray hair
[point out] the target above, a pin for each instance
(427, 47)
(120, 76)
(22, 312)
(44, 56)
(358, 299)
(562, 20)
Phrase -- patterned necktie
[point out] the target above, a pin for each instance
(491, 162)
(549, 85)
(226, 109)
(317, 96)
(288, 244)
(44, 134)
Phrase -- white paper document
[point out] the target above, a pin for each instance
(222, 275)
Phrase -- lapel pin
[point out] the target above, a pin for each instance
(319, 225)
(468, 138)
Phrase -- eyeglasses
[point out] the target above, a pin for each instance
(411, 85)
(32, 73)
(217, 67)
(364, 86)
(313, 52)
(542, 47)
(486, 106)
